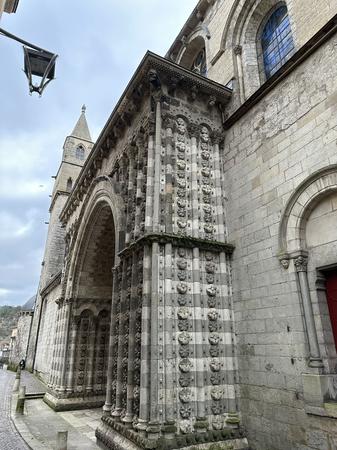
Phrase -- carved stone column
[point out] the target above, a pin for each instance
(301, 263)
(67, 306)
(72, 356)
(91, 353)
(144, 404)
(128, 419)
(238, 55)
(108, 400)
(119, 378)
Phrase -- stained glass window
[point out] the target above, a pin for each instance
(277, 41)
(199, 64)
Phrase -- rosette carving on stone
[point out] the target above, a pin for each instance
(184, 352)
(216, 409)
(207, 190)
(211, 302)
(216, 393)
(185, 379)
(209, 278)
(185, 395)
(181, 165)
(215, 365)
(182, 264)
(181, 183)
(182, 288)
(183, 313)
(182, 212)
(185, 365)
(205, 155)
(210, 267)
(211, 291)
(214, 351)
(181, 202)
(209, 229)
(185, 412)
(184, 338)
(182, 224)
(182, 275)
(182, 301)
(214, 339)
(215, 379)
(213, 326)
(206, 172)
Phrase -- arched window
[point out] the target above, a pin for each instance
(199, 64)
(194, 56)
(80, 152)
(276, 41)
(69, 184)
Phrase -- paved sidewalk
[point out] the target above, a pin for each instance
(39, 424)
(9, 437)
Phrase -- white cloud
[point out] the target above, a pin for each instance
(12, 227)
(4, 292)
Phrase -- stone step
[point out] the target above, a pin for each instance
(34, 395)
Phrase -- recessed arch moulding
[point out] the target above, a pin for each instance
(242, 35)
(150, 207)
(293, 246)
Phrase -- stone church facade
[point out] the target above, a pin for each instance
(190, 269)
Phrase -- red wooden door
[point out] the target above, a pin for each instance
(331, 293)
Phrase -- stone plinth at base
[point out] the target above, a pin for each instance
(114, 436)
(72, 403)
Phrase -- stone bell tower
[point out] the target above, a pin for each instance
(76, 149)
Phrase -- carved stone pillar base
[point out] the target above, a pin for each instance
(64, 403)
(315, 362)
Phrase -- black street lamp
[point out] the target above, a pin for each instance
(37, 62)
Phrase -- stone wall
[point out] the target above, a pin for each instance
(20, 342)
(280, 142)
(225, 23)
(46, 337)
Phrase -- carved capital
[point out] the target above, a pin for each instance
(301, 264)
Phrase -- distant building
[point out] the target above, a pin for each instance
(20, 334)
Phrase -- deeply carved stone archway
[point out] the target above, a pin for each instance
(292, 242)
(82, 337)
(299, 207)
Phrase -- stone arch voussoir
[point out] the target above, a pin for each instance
(299, 206)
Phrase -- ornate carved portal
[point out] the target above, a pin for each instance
(170, 365)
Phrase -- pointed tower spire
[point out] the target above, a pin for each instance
(81, 129)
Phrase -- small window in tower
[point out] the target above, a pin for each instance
(199, 64)
(69, 184)
(277, 41)
(80, 152)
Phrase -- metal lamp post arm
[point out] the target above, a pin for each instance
(22, 41)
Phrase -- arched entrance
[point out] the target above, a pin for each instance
(81, 350)
(90, 324)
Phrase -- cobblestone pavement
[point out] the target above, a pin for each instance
(9, 437)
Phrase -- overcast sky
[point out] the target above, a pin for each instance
(100, 44)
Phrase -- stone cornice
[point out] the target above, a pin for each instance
(179, 241)
(140, 86)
